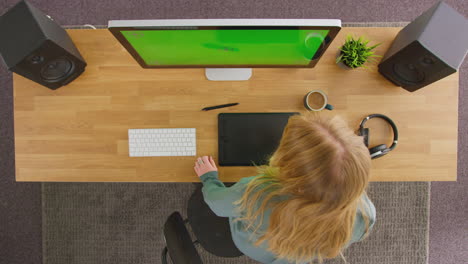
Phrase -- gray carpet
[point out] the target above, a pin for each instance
(122, 223)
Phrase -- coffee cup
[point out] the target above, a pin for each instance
(316, 100)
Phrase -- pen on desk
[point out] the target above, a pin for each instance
(218, 106)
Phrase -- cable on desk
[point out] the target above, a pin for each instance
(89, 25)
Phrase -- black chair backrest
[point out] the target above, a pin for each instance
(178, 242)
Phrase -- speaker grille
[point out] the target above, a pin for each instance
(56, 70)
(408, 73)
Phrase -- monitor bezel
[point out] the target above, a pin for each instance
(116, 26)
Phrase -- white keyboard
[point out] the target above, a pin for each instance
(162, 142)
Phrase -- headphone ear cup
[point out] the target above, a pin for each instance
(378, 151)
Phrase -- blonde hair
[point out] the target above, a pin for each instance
(322, 168)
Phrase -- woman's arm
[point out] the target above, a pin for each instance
(218, 197)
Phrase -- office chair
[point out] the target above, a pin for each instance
(212, 232)
(179, 245)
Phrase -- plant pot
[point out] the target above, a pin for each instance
(341, 64)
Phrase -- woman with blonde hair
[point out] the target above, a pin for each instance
(309, 203)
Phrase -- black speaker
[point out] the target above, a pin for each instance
(36, 47)
(428, 49)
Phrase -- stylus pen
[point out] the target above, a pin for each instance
(218, 106)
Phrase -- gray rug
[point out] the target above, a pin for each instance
(122, 223)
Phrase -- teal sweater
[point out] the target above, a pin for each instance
(221, 200)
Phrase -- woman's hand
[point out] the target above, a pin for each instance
(204, 164)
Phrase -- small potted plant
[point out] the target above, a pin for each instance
(355, 53)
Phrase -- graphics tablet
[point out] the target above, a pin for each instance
(248, 139)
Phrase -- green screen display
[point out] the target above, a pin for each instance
(226, 46)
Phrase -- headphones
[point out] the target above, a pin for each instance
(379, 150)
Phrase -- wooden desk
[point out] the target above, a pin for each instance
(79, 132)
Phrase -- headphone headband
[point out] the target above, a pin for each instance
(389, 121)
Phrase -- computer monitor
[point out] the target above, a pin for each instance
(227, 48)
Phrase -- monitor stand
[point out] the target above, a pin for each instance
(228, 74)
